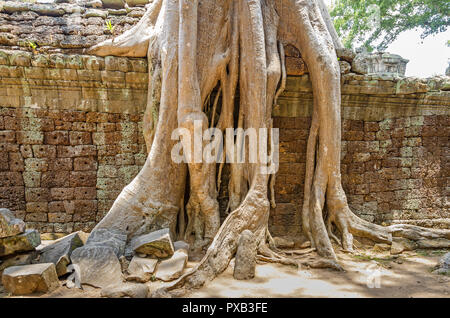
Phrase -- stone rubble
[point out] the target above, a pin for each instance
(97, 266)
(100, 254)
(59, 251)
(173, 267)
(27, 279)
(443, 267)
(10, 225)
(141, 269)
(157, 244)
(18, 259)
(245, 259)
(24, 242)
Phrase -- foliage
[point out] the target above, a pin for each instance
(377, 23)
(32, 45)
(110, 27)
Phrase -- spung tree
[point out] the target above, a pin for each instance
(194, 46)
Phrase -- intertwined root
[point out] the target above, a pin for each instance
(349, 225)
(194, 46)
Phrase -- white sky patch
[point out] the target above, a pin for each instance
(427, 57)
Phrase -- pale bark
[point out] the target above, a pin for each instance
(194, 45)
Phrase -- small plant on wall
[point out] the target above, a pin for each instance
(110, 28)
(33, 46)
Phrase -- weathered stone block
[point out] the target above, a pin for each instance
(76, 151)
(30, 137)
(37, 207)
(24, 242)
(27, 279)
(84, 164)
(52, 179)
(36, 164)
(85, 193)
(61, 164)
(141, 269)
(245, 260)
(36, 217)
(173, 267)
(83, 178)
(37, 194)
(158, 244)
(9, 224)
(57, 138)
(44, 151)
(59, 252)
(62, 193)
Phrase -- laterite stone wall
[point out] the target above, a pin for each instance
(71, 139)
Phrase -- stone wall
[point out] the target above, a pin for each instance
(71, 125)
(71, 139)
(395, 150)
(70, 136)
(63, 27)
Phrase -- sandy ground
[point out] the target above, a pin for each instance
(367, 274)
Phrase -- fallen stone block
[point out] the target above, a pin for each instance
(51, 236)
(59, 252)
(24, 242)
(443, 266)
(16, 260)
(97, 262)
(111, 238)
(27, 279)
(9, 224)
(141, 269)
(173, 267)
(126, 290)
(158, 244)
(97, 265)
(400, 244)
(245, 260)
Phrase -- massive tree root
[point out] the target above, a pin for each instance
(195, 46)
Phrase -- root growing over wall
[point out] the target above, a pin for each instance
(194, 46)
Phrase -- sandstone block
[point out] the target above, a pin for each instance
(158, 244)
(9, 224)
(141, 269)
(173, 267)
(245, 260)
(27, 279)
(97, 265)
(59, 252)
(24, 242)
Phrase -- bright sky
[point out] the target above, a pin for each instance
(426, 57)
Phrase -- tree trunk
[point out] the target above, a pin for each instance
(192, 47)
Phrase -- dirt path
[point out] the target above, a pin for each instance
(408, 275)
